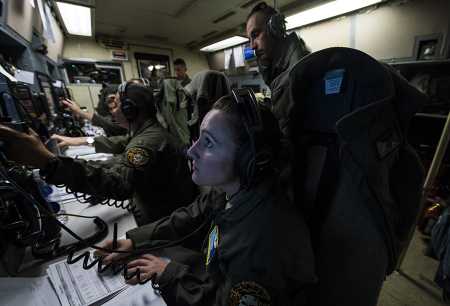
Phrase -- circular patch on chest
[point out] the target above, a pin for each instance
(249, 294)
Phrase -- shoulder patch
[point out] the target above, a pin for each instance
(249, 293)
(138, 157)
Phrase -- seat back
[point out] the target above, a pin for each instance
(356, 178)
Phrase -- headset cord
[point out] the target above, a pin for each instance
(85, 198)
(88, 262)
(82, 243)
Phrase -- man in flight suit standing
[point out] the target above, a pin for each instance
(276, 52)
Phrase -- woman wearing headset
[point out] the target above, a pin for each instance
(257, 249)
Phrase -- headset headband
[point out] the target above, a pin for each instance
(248, 108)
(122, 89)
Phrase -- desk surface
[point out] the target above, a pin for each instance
(137, 295)
(81, 226)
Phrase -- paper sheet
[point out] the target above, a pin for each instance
(139, 295)
(228, 54)
(76, 286)
(58, 84)
(238, 56)
(74, 151)
(45, 13)
(35, 291)
(25, 76)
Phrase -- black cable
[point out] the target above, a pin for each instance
(117, 268)
(70, 215)
(82, 242)
(85, 198)
(114, 246)
(31, 199)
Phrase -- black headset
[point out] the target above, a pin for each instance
(128, 106)
(276, 24)
(254, 156)
(143, 81)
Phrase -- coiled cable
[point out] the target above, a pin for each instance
(85, 198)
(85, 243)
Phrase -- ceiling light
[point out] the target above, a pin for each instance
(229, 42)
(77, 19)
(150, 67)
(325, 11)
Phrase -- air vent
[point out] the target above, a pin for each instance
(209, 34)
(226, 16)
(156, 38)
(111, 43)
(249, 3)
(184, 8)
(192, 44)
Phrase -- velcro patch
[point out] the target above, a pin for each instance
(249, 293)
(388, 143)
(333, 81)
(213, 242)
(137, 157)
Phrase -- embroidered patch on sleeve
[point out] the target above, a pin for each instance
(249, 293)
(137, 157)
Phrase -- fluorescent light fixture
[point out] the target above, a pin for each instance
(77, 19)
(327, 10)
(229, 42)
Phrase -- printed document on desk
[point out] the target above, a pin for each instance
(78, 287)
(33, 291)
(138, 295)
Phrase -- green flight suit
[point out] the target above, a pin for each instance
(151, 170)
(261, 256)
(173, 107)
(107, 124)
(185, 81)
(111, 144)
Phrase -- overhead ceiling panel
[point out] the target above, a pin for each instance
(180, 21)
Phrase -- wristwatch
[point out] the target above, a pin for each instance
(90, 141)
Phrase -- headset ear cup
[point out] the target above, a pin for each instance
(263, 160)
(245, 164)
(276, 26)
(256, 165)
(251, 171)
(254, 157)
(129, 109)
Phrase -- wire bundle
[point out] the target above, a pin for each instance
(85, 198)
(84, 243)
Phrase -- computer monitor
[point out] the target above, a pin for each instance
(46, 86)
(60, 90)
(23, 94)
(10, 114)
(249, 53)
